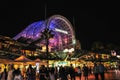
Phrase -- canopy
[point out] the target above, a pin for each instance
(22, 58)
(37, 60)
(5, 61)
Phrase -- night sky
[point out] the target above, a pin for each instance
(92, 21)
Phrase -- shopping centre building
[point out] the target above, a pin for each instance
(52, 39)
(57, 31)
(61, 34)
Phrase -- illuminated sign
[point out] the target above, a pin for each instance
(62, 31)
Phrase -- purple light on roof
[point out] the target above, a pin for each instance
(59, 41)
(32, 31)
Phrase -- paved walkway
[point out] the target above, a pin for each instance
(110, 75)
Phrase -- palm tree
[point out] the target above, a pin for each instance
(47, 34)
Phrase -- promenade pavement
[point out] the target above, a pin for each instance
(110, 75)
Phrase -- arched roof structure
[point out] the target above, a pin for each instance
(62, 29)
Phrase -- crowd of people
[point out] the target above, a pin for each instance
(54, 73)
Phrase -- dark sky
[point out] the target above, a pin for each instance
(93, 21)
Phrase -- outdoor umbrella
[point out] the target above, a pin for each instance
(6, 61)
(22, 58)
(37, 60)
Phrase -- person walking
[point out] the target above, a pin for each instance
(79, 72)
(4, 75)
(85, 72)
(30, 73)
(63, 73)
(17, 74)
(72, 72)
(10, 72)
(101, 71)
(96, 71)
(52, 73)
(42, 73)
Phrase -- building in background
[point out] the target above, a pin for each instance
(61, 28)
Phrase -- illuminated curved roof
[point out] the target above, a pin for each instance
(32, 30)
(60, 26)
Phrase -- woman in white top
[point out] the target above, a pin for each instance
(10, 72)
